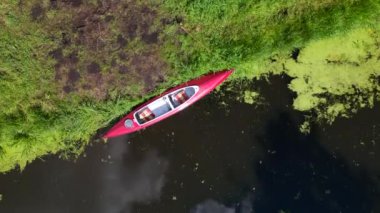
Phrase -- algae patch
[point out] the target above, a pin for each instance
(250, 97)
(337, 76)
(305, 127)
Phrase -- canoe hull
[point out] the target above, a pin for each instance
(206, 84)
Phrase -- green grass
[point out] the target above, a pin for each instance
(33, 120)
(255, 37)
(23, 99)
(244, 34)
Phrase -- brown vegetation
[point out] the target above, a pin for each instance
(98, 44)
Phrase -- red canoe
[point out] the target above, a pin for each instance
(167, 104)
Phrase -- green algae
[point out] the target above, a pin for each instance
(251, 97)
(305, 127)
(337, 76)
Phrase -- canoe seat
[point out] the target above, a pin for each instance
(146, 114)
(181, 97)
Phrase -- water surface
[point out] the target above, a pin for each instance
(219, 155)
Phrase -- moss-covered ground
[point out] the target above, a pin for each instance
(70, 67)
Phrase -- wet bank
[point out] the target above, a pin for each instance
(219, 155)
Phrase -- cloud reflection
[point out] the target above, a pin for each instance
(212, 206)
(129, 181)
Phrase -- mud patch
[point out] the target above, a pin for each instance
(65, 40)
(123, 69)
(121, 41)
(67, 89)
(86, 87)
(131, 29)
(37, 12)
(123, 55)
(109, 18)
(73, 76)
(53, 4)
(73, 3)
(138, 21)
(73, 58)
(56, 54)
(150, 38)
(150, 69)
(93, 68)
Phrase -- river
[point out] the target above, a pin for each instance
(218, 156)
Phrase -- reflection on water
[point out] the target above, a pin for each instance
(211, 206)
(108, 179)
(212, 157)
(126, 181)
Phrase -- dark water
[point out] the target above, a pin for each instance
(215, 158)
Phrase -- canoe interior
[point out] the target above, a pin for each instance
(163, 105)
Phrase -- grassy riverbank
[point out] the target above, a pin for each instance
(69, 68)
